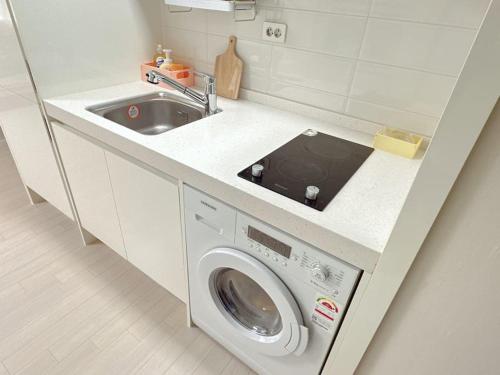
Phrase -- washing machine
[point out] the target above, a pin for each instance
(269, 298)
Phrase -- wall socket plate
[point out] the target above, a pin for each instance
(274, 32)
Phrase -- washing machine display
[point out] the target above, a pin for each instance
(269, 242)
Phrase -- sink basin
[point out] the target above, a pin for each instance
(151, 114)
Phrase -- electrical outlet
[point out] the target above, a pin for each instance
(274, 32)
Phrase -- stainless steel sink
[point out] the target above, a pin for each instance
(151, 114)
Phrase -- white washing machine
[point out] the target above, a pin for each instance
(272, 300)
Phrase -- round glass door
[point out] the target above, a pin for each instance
(247, 302)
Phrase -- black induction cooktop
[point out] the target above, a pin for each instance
(311, 169)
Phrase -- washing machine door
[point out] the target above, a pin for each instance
(252, 303)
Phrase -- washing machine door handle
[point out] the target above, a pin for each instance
(304, 340)
(298, 340)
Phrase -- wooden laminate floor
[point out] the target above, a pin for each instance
(67, 309)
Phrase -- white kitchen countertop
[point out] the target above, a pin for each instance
(208, 154)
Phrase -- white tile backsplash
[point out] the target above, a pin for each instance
(339, 35)
(391, 116)
(195, 20)
(403, 89)
(257, 56)
(464, 13)
(356, 7)
(312, 97)
(223, 23)
(257, 59)
(186, 44)
(394, 62)
(255, 82)
(437, 49)
(328, 73)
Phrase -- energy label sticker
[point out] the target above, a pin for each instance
(325, 312)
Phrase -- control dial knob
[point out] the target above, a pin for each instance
(319, 272)
(257, 170)
(312, 192)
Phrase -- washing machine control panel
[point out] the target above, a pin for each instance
(268, 242)
(273, 251)
(288, 255)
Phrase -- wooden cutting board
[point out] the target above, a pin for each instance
(228, 69)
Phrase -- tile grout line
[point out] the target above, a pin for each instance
(207, 354)
(397, 109)
(356, 64)
(4, 368)
(269, 71)
(57, 247)
(437, 24)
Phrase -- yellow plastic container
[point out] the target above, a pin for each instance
(398, 142)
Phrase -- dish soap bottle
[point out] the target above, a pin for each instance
(167, 61)
(158, 55)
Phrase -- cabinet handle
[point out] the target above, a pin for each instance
(209, 224)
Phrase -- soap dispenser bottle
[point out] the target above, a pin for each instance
(167, 62)
(158, 55)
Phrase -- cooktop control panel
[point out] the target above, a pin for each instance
(285, 254)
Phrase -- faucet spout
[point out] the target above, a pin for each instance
(208, 99)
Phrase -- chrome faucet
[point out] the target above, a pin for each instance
(208, 99)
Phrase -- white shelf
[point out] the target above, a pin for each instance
(220, 5)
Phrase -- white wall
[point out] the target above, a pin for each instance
(11, 62)
(445, 318)
(15, 88)
(80, 45)
(389, 61)
(3, 10)
(13, 74)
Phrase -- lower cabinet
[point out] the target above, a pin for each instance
(149, 211)
(29, 143)
(133, 210)
(87, 172)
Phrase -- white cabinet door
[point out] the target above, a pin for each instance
(30, 146)
(149, 211)
(87, 172)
